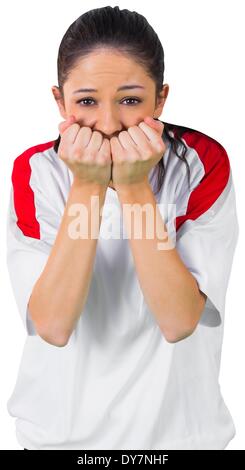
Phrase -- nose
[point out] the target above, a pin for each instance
(108, 125)
(108, 133)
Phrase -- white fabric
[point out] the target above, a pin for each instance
(118, 384)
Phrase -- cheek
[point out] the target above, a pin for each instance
(71, 104)
(74, 107)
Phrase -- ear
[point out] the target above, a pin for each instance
(161, 99)
(59, 100)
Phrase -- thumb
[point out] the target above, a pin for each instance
(65, 124)
(155, 124)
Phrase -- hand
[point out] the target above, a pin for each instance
(135, 151)
(85, 152)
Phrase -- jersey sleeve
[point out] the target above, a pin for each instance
(32, 225)
(207, 232)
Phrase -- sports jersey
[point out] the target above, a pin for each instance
(118, 383)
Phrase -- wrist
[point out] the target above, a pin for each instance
(133, 188)
(92, 186)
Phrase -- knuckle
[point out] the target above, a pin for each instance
(102, 156)
(148, 153)
(92, 154)
(62, 153)
(89, 155)
(76, 153)
(160, 147)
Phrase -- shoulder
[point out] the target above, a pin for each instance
(203, 149)
(36, 187)
(24, 186)
(210, 175)
(206, 158)
(38, 168)
(24, 163)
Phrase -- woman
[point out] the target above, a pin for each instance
(124, 333)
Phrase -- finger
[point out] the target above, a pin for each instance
(140, 140)
(154, 123)
(149, 131)
(69, 135)
(65, 124)
(83, 137)
(104, 153)
(94, 145)
(129, 146)
(153, 136)
(117, 152)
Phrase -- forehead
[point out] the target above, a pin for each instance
(106, 66)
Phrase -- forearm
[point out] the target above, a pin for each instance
(60, 293)
(169, 289)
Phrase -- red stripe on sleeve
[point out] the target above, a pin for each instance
(22, 192)
(217, 170)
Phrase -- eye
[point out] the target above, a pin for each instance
(134, 99)
(84, 99)
(125, 99)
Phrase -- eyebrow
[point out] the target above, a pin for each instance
(123, 87)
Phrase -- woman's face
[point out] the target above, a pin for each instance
(107, 108)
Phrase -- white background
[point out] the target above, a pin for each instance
(204, 67)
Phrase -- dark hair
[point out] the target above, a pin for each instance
(129, 33)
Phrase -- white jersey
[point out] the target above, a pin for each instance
(118, 383)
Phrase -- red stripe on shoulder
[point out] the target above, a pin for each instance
(217, 170)
(22, 192)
